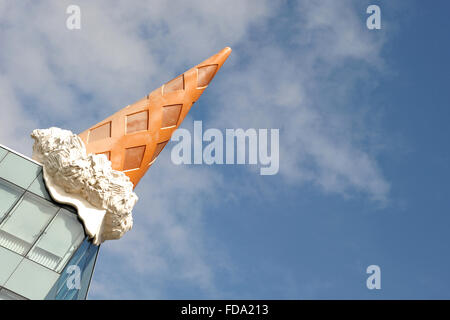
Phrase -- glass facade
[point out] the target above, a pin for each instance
(44, 251)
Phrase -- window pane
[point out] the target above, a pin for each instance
(59, 241)
(9, 194)
(8, 295)
(25, 223)
(38, 187)
(84, 258)
(18, 170)
(87, 272)
(31, 280)
(9, 262)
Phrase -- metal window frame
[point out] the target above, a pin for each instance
(14, 186)
(61, 206)
(25, 192)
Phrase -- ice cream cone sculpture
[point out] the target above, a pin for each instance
(133, 137)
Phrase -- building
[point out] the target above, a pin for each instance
(44, 251)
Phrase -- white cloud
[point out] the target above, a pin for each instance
(15, 123)
(324, 135)
(122, 52)
(167, 243)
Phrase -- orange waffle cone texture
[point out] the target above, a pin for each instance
(133, 137)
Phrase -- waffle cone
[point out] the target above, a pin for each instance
(133, 137)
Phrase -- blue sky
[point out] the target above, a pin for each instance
(363, 118)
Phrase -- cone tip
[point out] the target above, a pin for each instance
(227, 51)
(224, 53)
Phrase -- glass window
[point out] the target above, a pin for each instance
(26, 222)
(31, 280)
(8, 295)
(9, 262)
(62, 237)
(18, 170)
(9, 194)
(38, 187)
(3, 153)
(87, 272)
(84, 258)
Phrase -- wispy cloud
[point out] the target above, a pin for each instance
(168, 241)
(324, 134)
